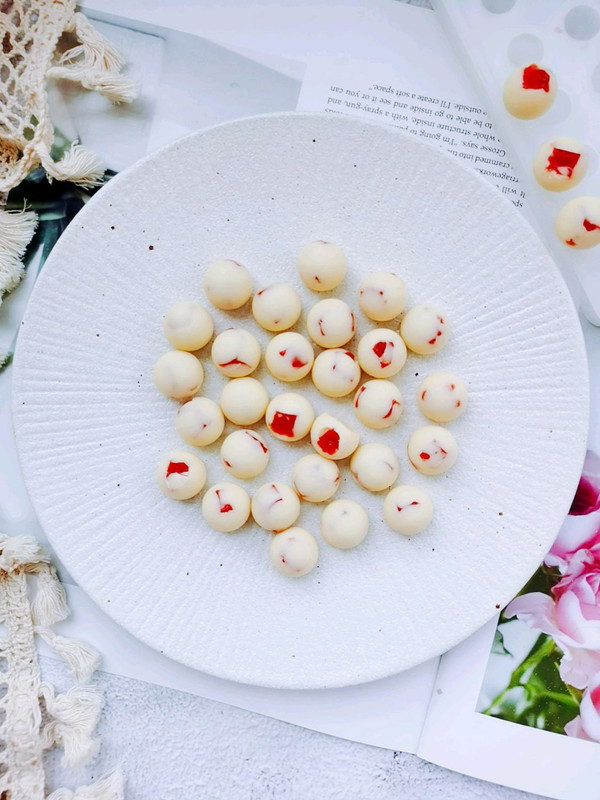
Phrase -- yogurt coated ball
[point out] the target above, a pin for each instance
(227, 284)
(199, 421)
(529, 91)
(321, 266)
(335, 373)
(375, 467)
(425, 329)
(330, 323)
(315, 478)
(442, 397)
(181, 475)
(378, 404)
(178, 374)
(577, 223)
(276, 307)
(244, 454)
(344, 524)
(382, 296)
(235, 353)
(289, 356)
(332, 438)
(226, 507)
(275, 506)
(407, 509)
(294, 552)
(188, 326)
(289, 416)
(244, 401)
(432, 450)
(560, 164)
(381, 353)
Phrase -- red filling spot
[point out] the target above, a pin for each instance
(432, 341)
(329, 442)
(320, 324)
(348, 353)
(177, 468)
(570, 242)
(234, 362)
(389, 413)
(563, 162)
(452, 386)
(282, 353)
(264, 449)
(457, 403)
(425, 456)
(318, 280)
(443, 451)
(590, 226)
(423, 393)
(227, 464)
(414, 503)
(283, 424)
(379, 349)
(297, 363)
(225, 507)
(401, 508)
(353, 325)
(536, 78)
(360, 391)
(258, 294)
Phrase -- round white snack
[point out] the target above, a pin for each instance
(227, 284)
(442, 397)
(529, 91)
(407, 509)
(378, 404)
(322, 266)
(235, 353)
(330, 323)
(294, 552)
(244, 401)
(432, 449)
(275, 506)
(425, 329)
(374, 467)
(289, 356)
(315, 478)
(577, 223)
(332, 438)
(200, 421)
(178, 374)
(289, 416)
(381, 353)
(188, 326)
(226, 507)
(344, 524)
(244, 454)
(560, 164)
(335, 373)
(276, 307)
(181, 475)
(382, 296)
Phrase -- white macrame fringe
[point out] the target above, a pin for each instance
(73, 717)
(108, 788)
(16, 231)
(79, 165)
(81, 659)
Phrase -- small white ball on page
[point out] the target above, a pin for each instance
(560, 164)
(294, 552)
(227, 284)
(244, 454)
(200, 421)
(321, 266)
(332, 438)
(289, 416)
(289, 356)
(432, 449)
(381, 353)
(529, 91)
(178, 374)
(330, 323)
(235, 353)
(244, 401)
(382, 296)
(577, 224)
(226, 507)
(442, 397)
(181, 475)
(374, 466)
(276, 307)
(315, 478)
(378, 404)
(344, 524)
(188, 326)
(407, 510)
(335, 373)
(425, 329)
(275, 506)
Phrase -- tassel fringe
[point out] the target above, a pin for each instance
(79, 165)
(16, 231)
(108, 788)
(73, 717)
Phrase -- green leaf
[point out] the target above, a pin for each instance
(498, 646)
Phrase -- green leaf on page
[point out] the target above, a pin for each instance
(498, 646)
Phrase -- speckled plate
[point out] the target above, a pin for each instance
(91, 427)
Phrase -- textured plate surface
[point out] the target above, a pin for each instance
(91, 426)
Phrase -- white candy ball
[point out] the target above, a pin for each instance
(235, 353)
(560, 164)
(332, 438)
(330, 323)
(188, 326)
(289, 416)
(382, 296)
(181, 475)
(275, 506)
(432, 449)
(294, 552)
(374, 467)
(344, 524)
(226, 507)
(199, 421)
(577, 223)
(407, 510)
(425, 329)
(178, 374)
(321, 266)
(276, 307)
(244, 454)
(244, 401)
(442, 397)
(315, 478)
(335, 373)
(378, 404)
(529, 91)
(227, 284)
(289, 356)
(381, 353)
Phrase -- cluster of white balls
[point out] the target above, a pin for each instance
(289, 416)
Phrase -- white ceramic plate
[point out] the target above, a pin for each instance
(91, 427)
